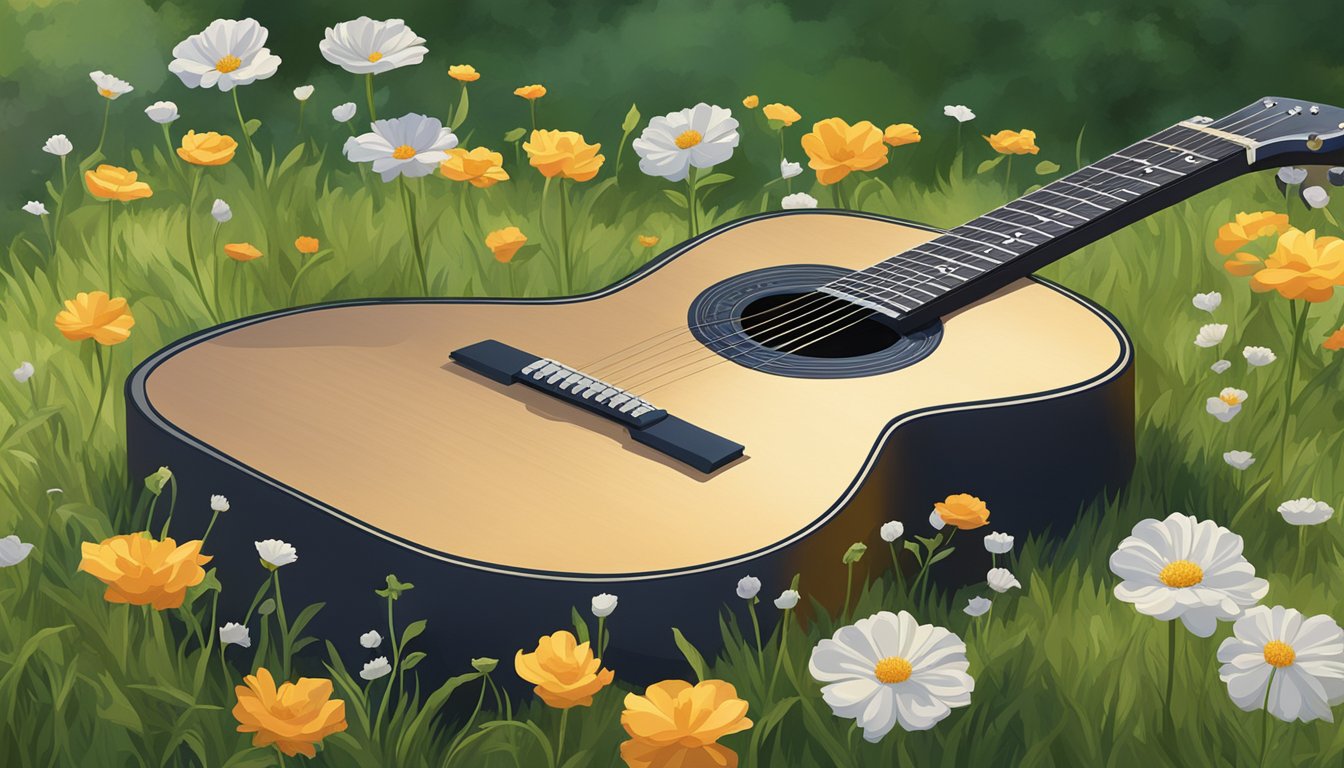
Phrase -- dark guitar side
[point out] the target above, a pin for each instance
(1035, 459)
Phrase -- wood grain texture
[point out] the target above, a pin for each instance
(359, 406)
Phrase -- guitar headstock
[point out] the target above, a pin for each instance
(1279, 131)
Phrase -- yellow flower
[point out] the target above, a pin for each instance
(565, 672)
(1014, 142)
(143, 571)
(648, 241)
(241, 251)
(305, 245)
(1249, 226)
(110, 182)
(479, 166)
(564, 154)
(464, 72)
(95, 316)
(835, 148)
(207, 148)
(295, 718)
(530, 92)
(751, 101)
(1302, 266)
(1335, 341)
(901, 133)
(962, 511)
(781, 112)
(504, 243)
(677, 725)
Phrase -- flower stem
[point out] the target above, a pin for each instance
(691, 217)
(466, 729)
(208, 528)
(783, 651)
(284, 625)
(601, 630)
(408, 201)
(1264, 727)
(560, 740)
(532, 107)
(1171, 674)
(396, 664)
(191, 245)
(368, 93)
(302, 104)
(1299, 330)
(258, 177)
(567, 268)
(1008, 172)
(849, 586)
(107, 110)
(756, 628)
(110, 274)
(103, 382)
(787, 182)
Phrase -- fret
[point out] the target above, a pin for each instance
(1013, 237)
(1052, 208)
(848, 285)
(1175, 148)
(945, 258)
(1096, 166)
(1048, 191)
(1096, 191)
(882, 271)
(899, 272)
(987, 216)
(953, 233)
(938, 244)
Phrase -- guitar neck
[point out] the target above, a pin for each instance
(981, 256)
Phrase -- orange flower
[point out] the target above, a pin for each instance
(464, 72)
(143, 571)
(677, 724)
(110, 182)
(304, 244)
(565, 672)
(751, 101)
(648, 241)
(295, 718)
(207, 148)
(242, 251)
(1335, 341)
(504, 243)
(962, 511)
(835, 148)
(1249, 226)
(1243, 264)
(781, 112)
(479, 166)
(564, 154)
(1021, 142)
(95, 316)
(530, 92)
(901, 133)
(1302, 266)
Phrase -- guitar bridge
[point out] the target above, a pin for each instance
(648, 424)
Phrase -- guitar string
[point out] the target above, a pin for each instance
(1203, 143)
(835, 327)
(816, 301)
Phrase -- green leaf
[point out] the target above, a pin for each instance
(693, 656)
(525, 253)
(989, 165)
(412, 659)
(940, 554)
(267, 607)
(775, 125)
(712, 179)
(394, 588)
(515, 135)
(1045, 168)
(114, 707)
(291, 159)
(855, 553)
(631, 120)
(580, 626)
(460, 114)
(155, 482)
(413, 630)
(676, 197)
(252, 126)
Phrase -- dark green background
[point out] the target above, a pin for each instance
(1118, 69)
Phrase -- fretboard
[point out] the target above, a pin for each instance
(977, 258)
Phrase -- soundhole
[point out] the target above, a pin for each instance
(809, 324)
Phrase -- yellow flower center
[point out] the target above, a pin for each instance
(375, 56)
(1230, 398)
(105, 93)
(1181, 573)
(688, 139)
(1279, 653)
(893, 669)
(228, 63)
(404, 152)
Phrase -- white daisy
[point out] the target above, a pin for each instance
(1227, 404)
(371, 639)
(342, 113)
(1305, 511)
(1221, 366)
(162, 112)
(375, 669)
(788, 170)
(701, 136)
(1315, 196)
(787, 599)
(58, 145)
(13, 551)
(304, 92)
(24, 372)
(998, 543)
(936, 520)
(1258, 356)
(748, 587)
(221, 211)
(218, 503)
(1295, 664)
(109, 87)
(1290, 175)
(603, 605)
(977, 606)
(365, 46)
(888, 669)
(892, 531)
(1183, 568)
(1239, 459)
(960, 112)
(1210, 335)
(412, 145)
(235, 634)
(35, 207)
(798, 200)
(1207, 301)
(1001, 580)
(225, 54)
(275, 553)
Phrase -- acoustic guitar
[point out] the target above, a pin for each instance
(751, 402)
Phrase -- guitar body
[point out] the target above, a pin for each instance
(349, 431)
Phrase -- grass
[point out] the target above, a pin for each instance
(1065, 674)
